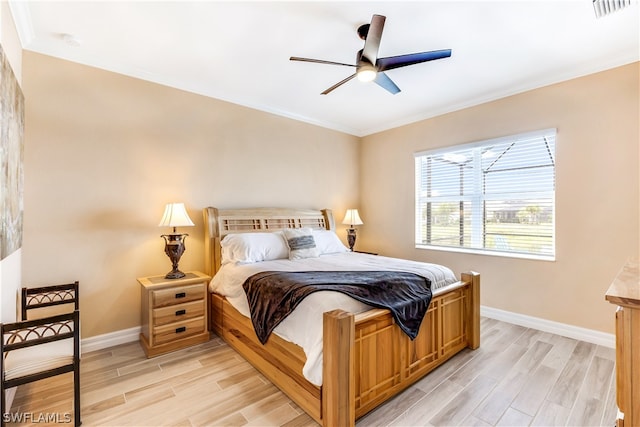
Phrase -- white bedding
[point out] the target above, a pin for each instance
(304, 326)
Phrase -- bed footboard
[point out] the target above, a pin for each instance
(384, 361)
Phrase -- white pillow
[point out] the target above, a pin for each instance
(244, 248)
(328, 242)
(301, 243)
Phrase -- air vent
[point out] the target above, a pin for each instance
(606, 7)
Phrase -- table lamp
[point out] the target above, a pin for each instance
(352, 218)
(175, 215)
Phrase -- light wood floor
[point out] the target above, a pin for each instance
(518, 377)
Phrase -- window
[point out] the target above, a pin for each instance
(496, 195)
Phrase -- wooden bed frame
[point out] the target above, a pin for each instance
(367, 359)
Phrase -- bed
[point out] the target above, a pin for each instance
(366, 358)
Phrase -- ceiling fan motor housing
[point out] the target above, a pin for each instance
(363, 30)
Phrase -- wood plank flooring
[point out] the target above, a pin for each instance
(518, 377)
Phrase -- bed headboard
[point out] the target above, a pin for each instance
(220, 222)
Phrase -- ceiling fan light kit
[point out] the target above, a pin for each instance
(371, 68)
(367, 73)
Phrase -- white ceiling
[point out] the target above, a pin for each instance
(239, 51)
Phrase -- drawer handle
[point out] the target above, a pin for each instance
(181, 294)
(180, 312)
(181, 329)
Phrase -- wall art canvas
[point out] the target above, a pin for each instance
(11, 159)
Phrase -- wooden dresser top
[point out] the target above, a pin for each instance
(625, 289)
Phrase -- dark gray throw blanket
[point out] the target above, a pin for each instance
(272, 295)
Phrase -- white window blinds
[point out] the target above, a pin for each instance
(495, 195)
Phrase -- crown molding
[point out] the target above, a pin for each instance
(22, 19)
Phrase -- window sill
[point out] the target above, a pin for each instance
(487, 252)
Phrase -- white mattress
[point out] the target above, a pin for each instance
(304, 325)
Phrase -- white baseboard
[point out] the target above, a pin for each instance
(109, 340)
(575, 332)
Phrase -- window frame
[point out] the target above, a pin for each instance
(478, 198)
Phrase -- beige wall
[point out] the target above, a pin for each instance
(597, 194)
(104, 153)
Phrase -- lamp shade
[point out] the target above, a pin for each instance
(352, 218)
(175, 215)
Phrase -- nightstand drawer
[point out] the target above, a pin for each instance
(174, 331)
(178, 312)
(178, 295)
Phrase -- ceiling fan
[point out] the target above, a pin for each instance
(371, 68)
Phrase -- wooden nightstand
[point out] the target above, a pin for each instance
(174, 312)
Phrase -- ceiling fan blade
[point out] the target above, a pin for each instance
(372, 42)
(391, 62)
(319, 61)
(385, 82)
(340, 83)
